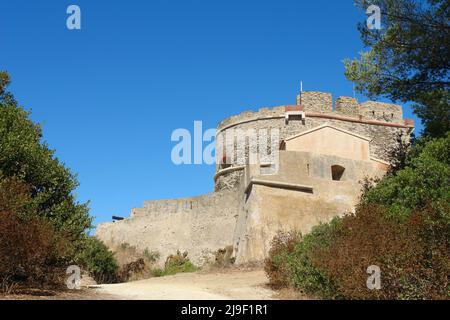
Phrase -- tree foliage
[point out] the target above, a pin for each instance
(25, 156)
(32, 252)
(95, 257)
(408, 59)
(425, 180)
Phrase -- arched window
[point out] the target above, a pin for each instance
(337, 172)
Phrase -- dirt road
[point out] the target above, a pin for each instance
(230, 285)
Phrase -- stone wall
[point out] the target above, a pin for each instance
(200, 226)
(316, 101)
(382, 111)
(380, 122)
(347, 106)
(383, 138)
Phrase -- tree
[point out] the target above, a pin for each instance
(24, 156)
(408, 59)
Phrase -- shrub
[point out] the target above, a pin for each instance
(133, 263)
(305, 274)
(424, 180)
(412, 267)
(96, 258)
(276, 265)
(223, 257)
(132, 270)
(291, 261)
(151, 256)
(32, 252)
(178, 263)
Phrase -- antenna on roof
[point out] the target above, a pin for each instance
(301, 86)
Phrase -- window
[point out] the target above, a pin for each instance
(225, 164)
(337, 172)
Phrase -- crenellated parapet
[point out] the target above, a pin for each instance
(314, 103)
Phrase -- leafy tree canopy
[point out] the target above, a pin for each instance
(408, 59)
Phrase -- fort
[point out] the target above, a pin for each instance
(324, 151)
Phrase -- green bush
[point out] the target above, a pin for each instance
(425, 180)
(291, 261)
(305, 275)
(151, 256)
(178, 263)
(276, 265)
(96, 258)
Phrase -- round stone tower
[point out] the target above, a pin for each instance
(381, 122)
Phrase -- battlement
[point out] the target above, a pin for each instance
(315, 101)
(320, 103)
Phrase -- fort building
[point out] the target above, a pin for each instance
(323, 152)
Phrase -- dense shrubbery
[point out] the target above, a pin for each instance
(291, 262)
(425, 179)
(32, 252)
(402, 225)
(414, 260)
(96, 258)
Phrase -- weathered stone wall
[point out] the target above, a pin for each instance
(382, 111)
(347, 106)
(316, 101)
(383, 138)
(200, 226)
(380, 122)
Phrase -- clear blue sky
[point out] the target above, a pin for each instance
(110, 95)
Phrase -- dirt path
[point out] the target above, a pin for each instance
(230, 285)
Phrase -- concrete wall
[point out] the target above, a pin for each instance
(200, 226)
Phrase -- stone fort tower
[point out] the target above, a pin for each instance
(322, 154)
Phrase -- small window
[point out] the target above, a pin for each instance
(337, 172)
(225, 164)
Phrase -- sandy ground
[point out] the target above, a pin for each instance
(230, 285)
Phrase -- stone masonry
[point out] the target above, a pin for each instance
(323, 152)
